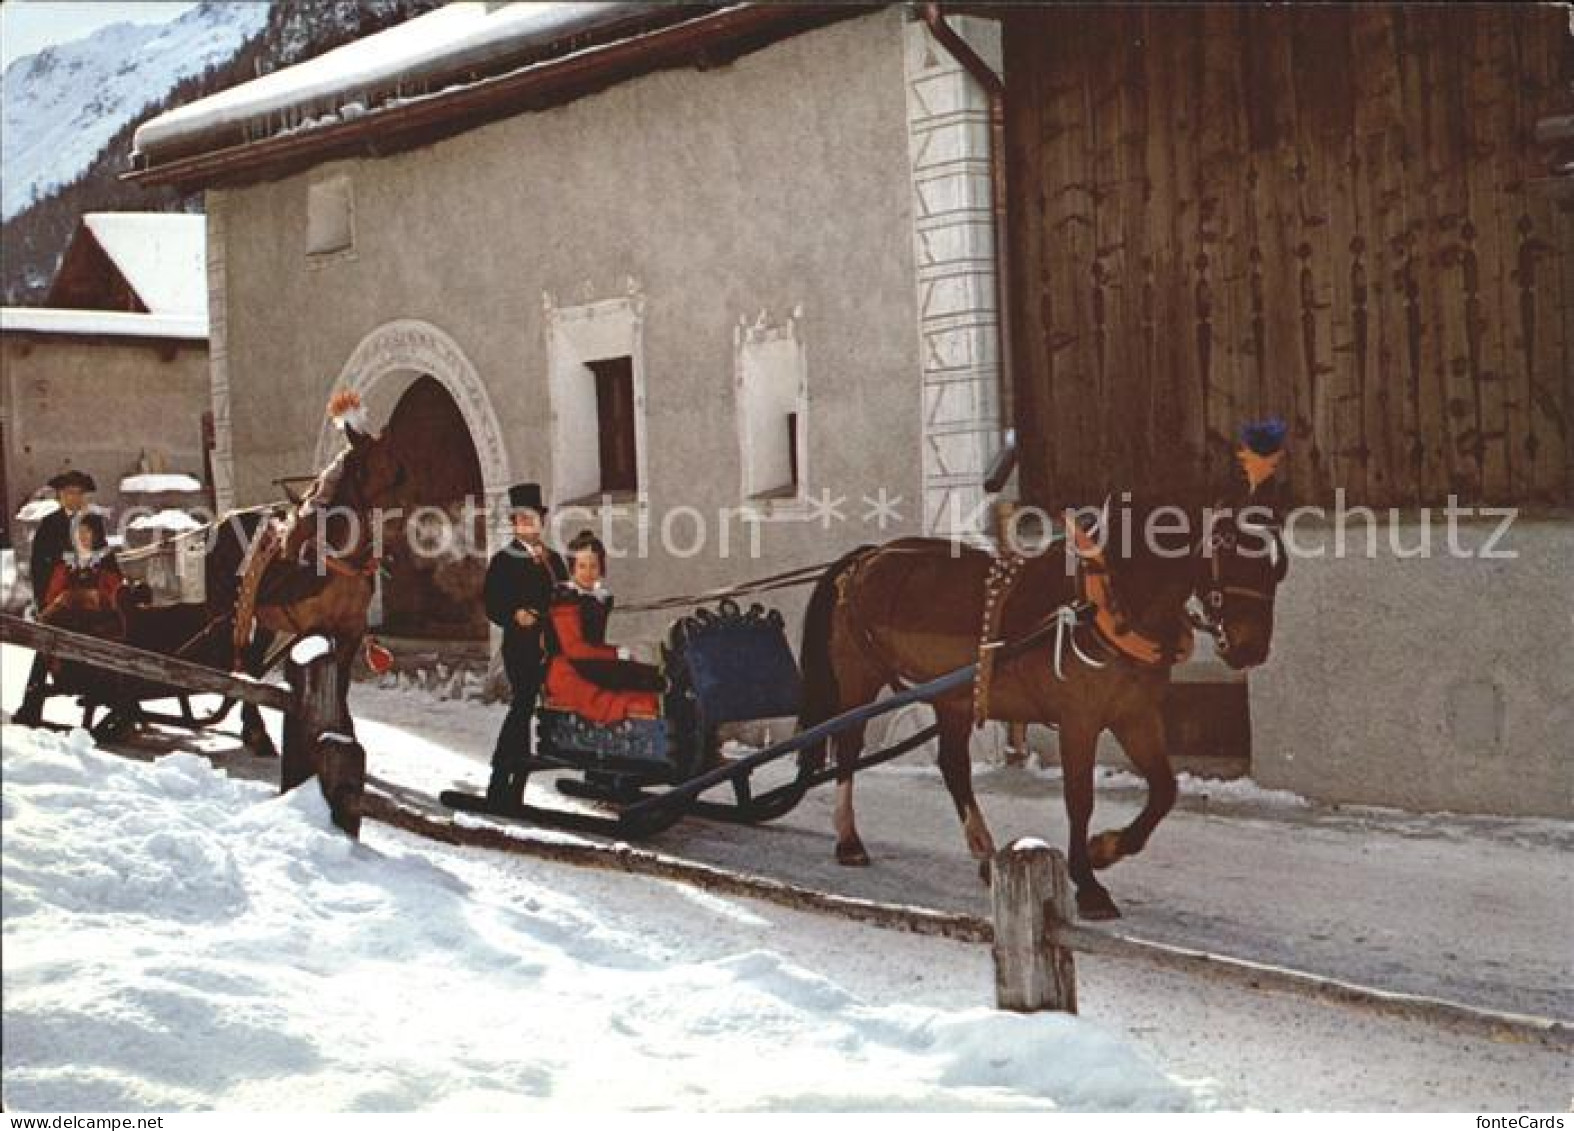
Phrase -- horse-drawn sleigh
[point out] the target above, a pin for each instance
(1082, 636)
(270, 574)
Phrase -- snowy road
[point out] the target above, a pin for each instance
(1477, 910)
(1469, 909)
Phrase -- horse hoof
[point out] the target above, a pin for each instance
(1095, 904)
(984, 871)
(852, 855)
(1104, 849)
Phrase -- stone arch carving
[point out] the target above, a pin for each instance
(389, 359)
(385, 364)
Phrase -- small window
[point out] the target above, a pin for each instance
(771, 405)
(330, 217)
(615, 424)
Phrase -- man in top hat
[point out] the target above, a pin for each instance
(519, 583)
(55, 538)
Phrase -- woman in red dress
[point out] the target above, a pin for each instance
(83, 590)
(585, 674)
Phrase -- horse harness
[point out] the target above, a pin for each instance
(1094, 609)
(1106, 633)
(274, 537)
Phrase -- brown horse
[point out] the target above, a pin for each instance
(1117, 620)
(319, 579)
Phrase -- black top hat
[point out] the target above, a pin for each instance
(73, 478)
(526, 496)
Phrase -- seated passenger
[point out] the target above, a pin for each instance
(83, 589)
(585, 675)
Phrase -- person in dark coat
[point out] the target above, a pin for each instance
(518, 592)
(51, 543)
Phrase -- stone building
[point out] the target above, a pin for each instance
(111, 375)
(726, 274)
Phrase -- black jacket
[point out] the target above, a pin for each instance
(52, 541)
(514, 581)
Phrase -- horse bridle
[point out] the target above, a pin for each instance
(1216, 589)
(363, 562)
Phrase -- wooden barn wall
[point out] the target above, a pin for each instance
(1328, 214)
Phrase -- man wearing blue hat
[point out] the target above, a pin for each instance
(519, 582)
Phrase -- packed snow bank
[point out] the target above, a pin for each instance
(178, 939)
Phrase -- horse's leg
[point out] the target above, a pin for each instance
(850, 850)
(1078, 745)
(857, 682)
(344, 656)
(956, 768)
(1141, 735)
(253, 732)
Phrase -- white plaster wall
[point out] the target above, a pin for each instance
(1428, 684)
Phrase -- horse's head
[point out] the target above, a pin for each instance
(342, 508)
(1242, 557)
(372, 472)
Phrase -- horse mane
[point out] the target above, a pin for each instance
(1153, 579)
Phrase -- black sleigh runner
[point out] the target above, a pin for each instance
(722, 665)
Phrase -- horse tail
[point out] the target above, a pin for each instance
(819, 700)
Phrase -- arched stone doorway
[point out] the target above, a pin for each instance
(433, 583)
(393, 361)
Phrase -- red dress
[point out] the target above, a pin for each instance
(85, 596)
(585, 675)
(102, 575)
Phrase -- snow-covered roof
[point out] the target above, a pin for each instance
(455, 40)
(103, 323)
(36, 510)
(159, 482)
(165, 520)
(163, 256)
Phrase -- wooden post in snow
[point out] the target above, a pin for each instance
(317, 734)
(1030, 890)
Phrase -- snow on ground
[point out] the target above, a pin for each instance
(1468, 908)
(176, 939)
(1237, 791)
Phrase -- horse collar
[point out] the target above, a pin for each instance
(1110, 627)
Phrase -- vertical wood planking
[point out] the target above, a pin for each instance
(1489, 162)
(1213, 259)
(1378, 313)
(1324, 213)
(1545, 261)
(1274, 162)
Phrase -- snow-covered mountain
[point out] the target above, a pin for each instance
(64, 103)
